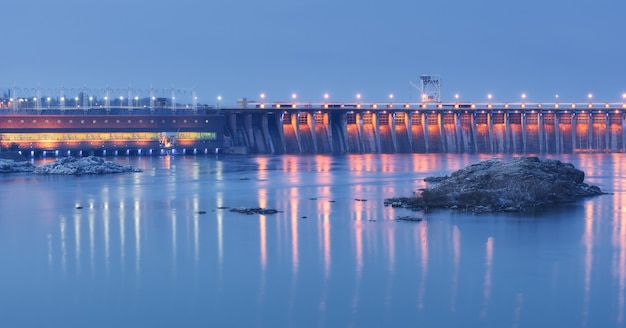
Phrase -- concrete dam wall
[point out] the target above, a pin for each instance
(436, 131)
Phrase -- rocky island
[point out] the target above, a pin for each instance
(85, 165)
(11, 166)
(497, 186)
(64, 166)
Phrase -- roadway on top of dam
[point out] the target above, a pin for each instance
(563, 107)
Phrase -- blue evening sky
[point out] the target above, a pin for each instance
(240, 48)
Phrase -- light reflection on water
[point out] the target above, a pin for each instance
(333, 256)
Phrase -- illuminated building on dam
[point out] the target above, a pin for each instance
(87, 133)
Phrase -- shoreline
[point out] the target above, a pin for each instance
(13, 155)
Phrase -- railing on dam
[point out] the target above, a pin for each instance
(518, 128)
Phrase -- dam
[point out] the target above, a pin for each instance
(428, 128)
(318, 128)
(129, 121)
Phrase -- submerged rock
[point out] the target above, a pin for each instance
(11, 166)
(409, 218)
(497, 186)
(86, 165)
(253, 210)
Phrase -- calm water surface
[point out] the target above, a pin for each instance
(139, 254)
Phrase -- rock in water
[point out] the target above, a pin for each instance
(86, 165)
(495, 186)
(11, 166)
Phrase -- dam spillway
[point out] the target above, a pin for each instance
(490, 130)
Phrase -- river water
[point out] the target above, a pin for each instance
(140, 253)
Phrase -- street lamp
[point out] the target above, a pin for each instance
(76, 102)
(90, 102)
(48, 99)
(219, 100)
(293, 98)
(136, 101)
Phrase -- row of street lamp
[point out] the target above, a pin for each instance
(456, 96)
(294, 96)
